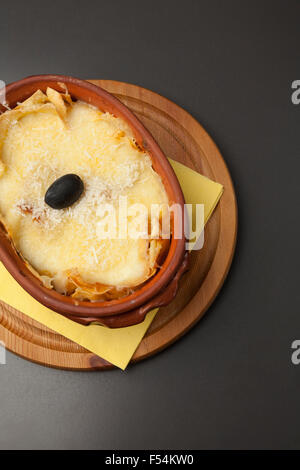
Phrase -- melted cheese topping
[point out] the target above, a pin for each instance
(46, 137)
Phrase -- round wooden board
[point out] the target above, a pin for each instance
(182, 138)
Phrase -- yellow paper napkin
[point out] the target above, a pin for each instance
(114, 345)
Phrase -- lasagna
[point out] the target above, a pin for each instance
(49, 136)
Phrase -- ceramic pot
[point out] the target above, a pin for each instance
(162, 287)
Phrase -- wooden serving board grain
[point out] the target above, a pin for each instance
(182, 138)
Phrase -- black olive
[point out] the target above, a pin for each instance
(64, 191)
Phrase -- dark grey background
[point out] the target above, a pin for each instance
(229, 383)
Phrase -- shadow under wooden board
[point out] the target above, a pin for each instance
(182, 138)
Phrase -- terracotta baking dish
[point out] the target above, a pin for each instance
(160, 289)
